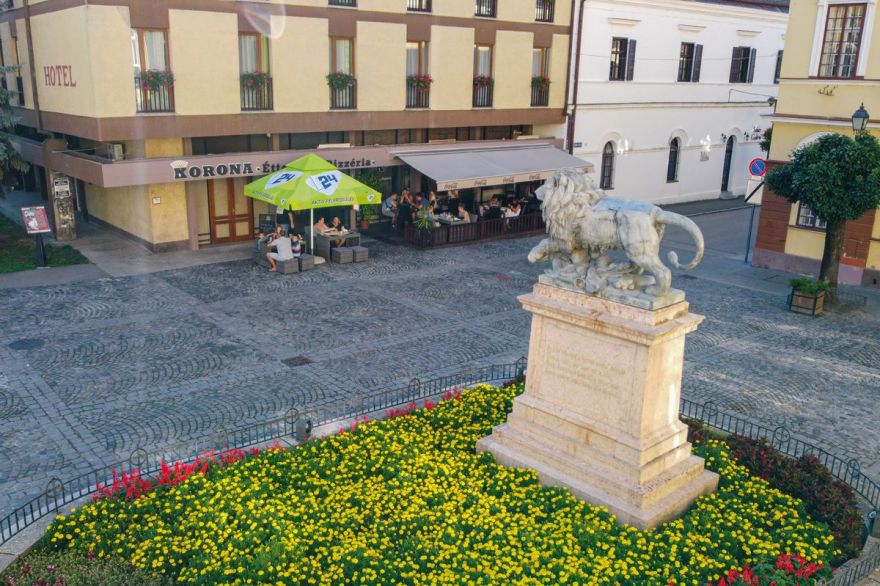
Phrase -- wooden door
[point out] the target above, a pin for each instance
(231, 212)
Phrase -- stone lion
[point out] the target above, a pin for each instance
(583, 225)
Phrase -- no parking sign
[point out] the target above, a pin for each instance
(757, 167)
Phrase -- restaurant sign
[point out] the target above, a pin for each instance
(184, 170)
(490, 181)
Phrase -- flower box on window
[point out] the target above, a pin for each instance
(540, 82)
(339, 81)
(419, 81)
(155, 79)
(483, 81)
(256, 79)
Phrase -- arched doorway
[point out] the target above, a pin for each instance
(728, 159)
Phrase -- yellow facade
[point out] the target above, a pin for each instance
(127, 208)
(558, 70)
(380, 66)
(513, 82)
(810, 106)
(299, 79)
(451, 61)
(204, 59)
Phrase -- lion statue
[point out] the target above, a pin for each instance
(583, 225)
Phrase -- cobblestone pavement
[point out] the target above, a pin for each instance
(91, 371)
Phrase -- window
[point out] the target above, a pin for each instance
(342, 55)
(843, 35)
(483, 60)
(742, 65)
(808, 219)
(689, 61)
(417, 58)
(778, 72)
(672, 164)
(607, 179)
(623, 59)
(544, 11)
(485, 8)
(540, 61)
(149, 50)
(482, 97)
(253, 53)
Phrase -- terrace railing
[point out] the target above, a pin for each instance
(523, 225)
(152, 99)
(417, 97)
(351, 3)
(540, 96)
(482, 96)
(344, 99)
(256, 96)
(486, 8)
(544, 11)
(418, 5)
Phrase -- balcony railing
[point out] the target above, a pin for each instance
(482, 96)
(352, 3)
(486, 8)
(256, 96)
(417, 97)
(418, 5)
(153, 98)
(540, 96)
(19, 89)
(544, 11)
(344, 99)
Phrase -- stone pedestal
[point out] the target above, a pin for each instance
(599, 414)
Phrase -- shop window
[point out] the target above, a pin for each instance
(623, 59)
(742, 65)
(842, 40)
(607, 179)
(672, 163)
(807, 218)
(441, 134)
(689, 62)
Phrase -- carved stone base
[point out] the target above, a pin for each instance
(599, 414)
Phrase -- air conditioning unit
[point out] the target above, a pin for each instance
(116, 151)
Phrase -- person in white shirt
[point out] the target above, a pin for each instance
(283, 251)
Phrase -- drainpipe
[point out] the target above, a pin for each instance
(577, 69)
(33, 68)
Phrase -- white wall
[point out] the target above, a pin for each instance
(641, 116)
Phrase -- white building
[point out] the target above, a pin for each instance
(671, 94)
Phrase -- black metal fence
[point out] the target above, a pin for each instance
(418, 5)
(485, 8)
(482, 96)
(294, 423)
(417, 97)
(257, 96)
(345, 98)
(482, 229)
(153, 98)
(540, 96)
(544, 10)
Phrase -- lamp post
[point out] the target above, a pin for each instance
(860, 120)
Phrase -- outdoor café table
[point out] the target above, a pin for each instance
(450, 221)
(323, 242)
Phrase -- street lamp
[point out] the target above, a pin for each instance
(860, 120)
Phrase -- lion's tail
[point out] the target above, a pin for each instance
(686, 224)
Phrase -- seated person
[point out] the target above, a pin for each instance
(336, 226)
(320, 226)
(494, 211)
(404, 213)
(453, 203)
(463, 214)
(389, 209)
(512, 211)
(283, 251)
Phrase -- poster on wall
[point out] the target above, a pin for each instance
(36, 220)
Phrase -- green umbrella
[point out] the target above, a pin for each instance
(311, 182)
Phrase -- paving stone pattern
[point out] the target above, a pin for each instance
(91, 371)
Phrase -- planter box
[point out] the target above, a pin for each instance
(806, 303)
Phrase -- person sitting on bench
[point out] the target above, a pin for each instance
(283, 251)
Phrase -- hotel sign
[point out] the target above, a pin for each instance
(184, 170)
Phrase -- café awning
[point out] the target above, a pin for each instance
(466, 168)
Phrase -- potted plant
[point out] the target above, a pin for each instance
(419, 81)
(807, 295)
(540, 82)
(256, 79)
(156, 79)
(483, 81)
(369, 212)
(340, 80)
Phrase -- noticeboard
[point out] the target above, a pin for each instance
(36, 220)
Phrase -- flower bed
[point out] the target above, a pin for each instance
(406, 500)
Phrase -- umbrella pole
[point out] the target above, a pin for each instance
(312, 230)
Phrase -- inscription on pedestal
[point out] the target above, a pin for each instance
(577, 370)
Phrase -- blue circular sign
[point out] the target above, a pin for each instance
(758, 167)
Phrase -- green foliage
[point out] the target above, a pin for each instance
(11, 162)
(836, 176)
(807, 286)
(156, 79)
(18, 253)
(339, 81)
(72, 568)
(256, 79)
(370, 178)
(766, 139)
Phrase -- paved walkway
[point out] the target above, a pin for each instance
(90, 371)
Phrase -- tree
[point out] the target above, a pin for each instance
(10, 161)
(838, 178)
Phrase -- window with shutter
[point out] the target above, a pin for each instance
(698, 62)
(619, 48)
(630, 59)
(742, 67)
(689, 60)
(753, 54)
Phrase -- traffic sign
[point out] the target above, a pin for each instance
(757, 167)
